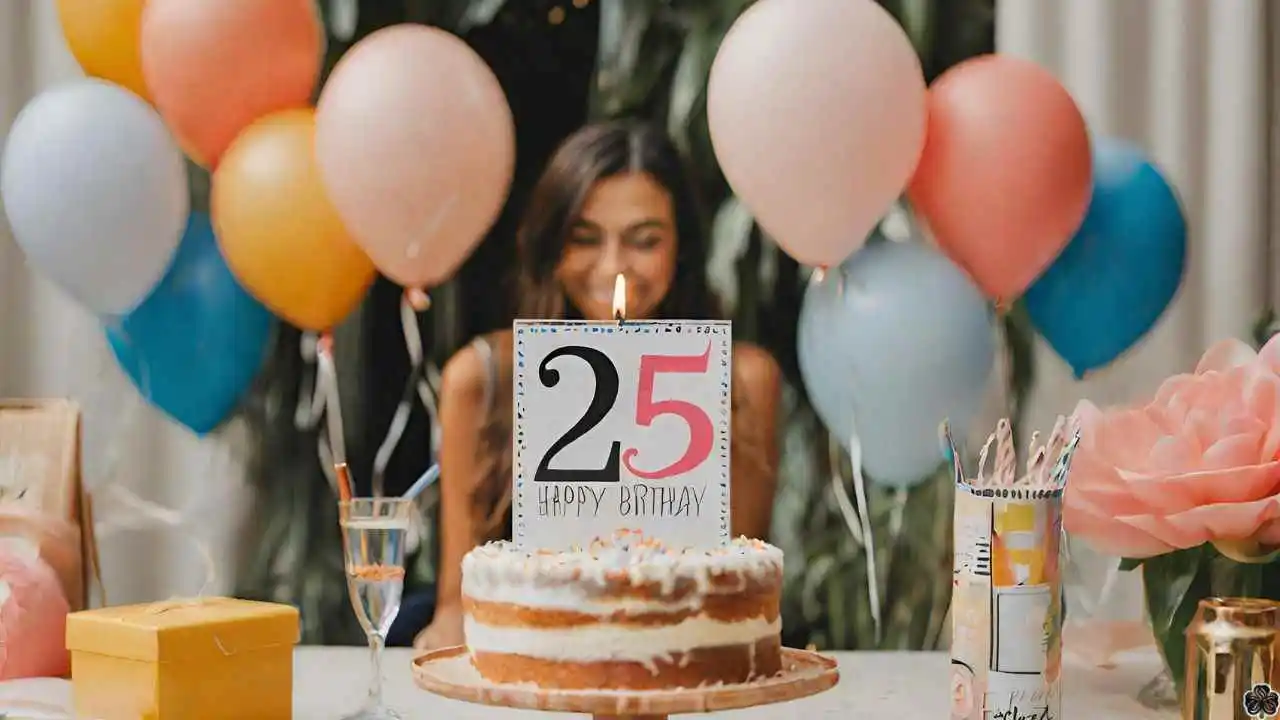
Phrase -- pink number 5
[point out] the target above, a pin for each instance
(701, 433)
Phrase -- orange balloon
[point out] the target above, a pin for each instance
(216, 66)
(1006, 173)
(279, 233)
(103, 37)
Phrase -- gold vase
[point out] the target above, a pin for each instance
(1233, 661)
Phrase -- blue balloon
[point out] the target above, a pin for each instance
(195, 345)
(1121, 270)
(891, 343)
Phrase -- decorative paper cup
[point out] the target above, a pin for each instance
(1006, 608)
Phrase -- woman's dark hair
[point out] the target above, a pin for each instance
(595, 153)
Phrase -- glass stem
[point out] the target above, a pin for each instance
(375, 663)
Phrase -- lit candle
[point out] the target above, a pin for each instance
(620, 297)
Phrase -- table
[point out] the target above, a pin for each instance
(330, 682)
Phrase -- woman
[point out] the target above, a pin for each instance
(614, 199)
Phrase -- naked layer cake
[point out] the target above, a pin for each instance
(624, 613)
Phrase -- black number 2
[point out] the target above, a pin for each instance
(602, 401)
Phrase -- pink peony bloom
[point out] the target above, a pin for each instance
(1197, 464)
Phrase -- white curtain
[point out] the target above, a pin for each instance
(1189, 80)
(50, 347)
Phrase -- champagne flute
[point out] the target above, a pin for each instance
(374, 531)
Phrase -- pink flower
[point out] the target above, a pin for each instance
(1197, 464)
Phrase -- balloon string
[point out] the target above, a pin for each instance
(858, 521)
(410, 301)
(328, 378)
(898, 513)
(144, 510)
(125, 422)
(847, 512)
(313, 407)
(417, 386)
(166, 516)
(430, 401)
(107, 479)
(860, 496)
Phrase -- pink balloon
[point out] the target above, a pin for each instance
(817, 115)
(416, 146)
(1006, 174)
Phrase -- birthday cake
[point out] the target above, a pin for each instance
(624, 613)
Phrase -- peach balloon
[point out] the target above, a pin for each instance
(216, 66)
(1006, 173)
(417, 147)
(817, 117)
(103, 37)
(277, 229)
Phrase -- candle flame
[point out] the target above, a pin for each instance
(620, 297)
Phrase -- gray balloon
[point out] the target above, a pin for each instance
(96, 192)
(897, 339)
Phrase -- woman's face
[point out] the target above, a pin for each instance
(627, 226)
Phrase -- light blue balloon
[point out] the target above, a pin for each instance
(95, 189)
(897, 339)
(1121, 270)
(196, 344)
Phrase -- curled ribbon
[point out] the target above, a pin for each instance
(158, 514)
(326, 399)
(857, 519)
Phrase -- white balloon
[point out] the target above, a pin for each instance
(95, 189)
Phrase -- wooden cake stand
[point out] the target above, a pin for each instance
(448, 672)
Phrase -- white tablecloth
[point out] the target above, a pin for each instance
(331, 682)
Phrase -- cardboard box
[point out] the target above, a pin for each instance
(198, 659)
(40, 478)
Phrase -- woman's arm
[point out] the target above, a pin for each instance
(754, 463)
(462, 393)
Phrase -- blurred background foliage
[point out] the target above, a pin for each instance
(564, 63)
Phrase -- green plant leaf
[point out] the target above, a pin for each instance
(917, 18)
(456, 16)
(631, 60)
(689, 83)
(730, 236)
(479, 13)
(1175, 583)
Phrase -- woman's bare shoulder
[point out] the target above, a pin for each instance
(468, 372)
(753, 365)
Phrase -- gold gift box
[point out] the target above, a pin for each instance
(184, 660)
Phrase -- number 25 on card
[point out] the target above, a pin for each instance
(676, 381)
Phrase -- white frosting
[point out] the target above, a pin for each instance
(502, 572)
(618, 643)
(574, 598)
